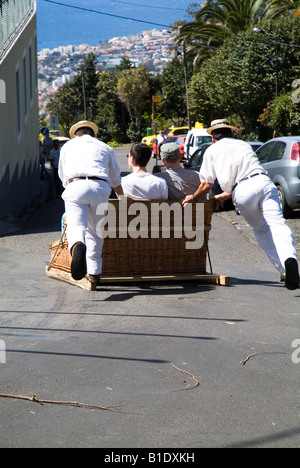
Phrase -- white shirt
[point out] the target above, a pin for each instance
(86, 156)
(160, 139)
(229, 161)
(145, 186)
(181, 181)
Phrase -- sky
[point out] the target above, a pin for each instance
(61, 25)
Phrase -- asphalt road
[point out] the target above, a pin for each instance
(118, 344)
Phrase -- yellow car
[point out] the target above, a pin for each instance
(148, 140)
(177, 131)
(171, 131)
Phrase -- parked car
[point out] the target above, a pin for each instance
(255, 144)
(196, 160)
(176, 131)
(180, 142)
(281, 158)
(170, 131)
(168, 139)
(148, 140)
(195, 164)
(195, 138)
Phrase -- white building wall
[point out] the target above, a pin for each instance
(19, 118)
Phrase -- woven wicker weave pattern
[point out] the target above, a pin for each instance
(145, 256)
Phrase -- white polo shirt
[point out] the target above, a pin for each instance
(145, 186)
(229, 161)
(86, 156)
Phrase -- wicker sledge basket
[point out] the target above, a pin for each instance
(161, 252)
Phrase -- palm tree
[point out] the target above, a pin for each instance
(217, 20)
(279, 7)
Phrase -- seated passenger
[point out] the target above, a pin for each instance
(140, 184)
(180, 181)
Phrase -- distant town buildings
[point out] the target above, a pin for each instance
(59, 66)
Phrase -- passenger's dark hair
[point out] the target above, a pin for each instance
(85, 131)
(141, 154)
(222, 133)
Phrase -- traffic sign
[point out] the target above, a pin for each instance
(54, 122)
(156, 99)
(45, 131)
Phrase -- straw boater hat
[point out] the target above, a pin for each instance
(217, 124)
(81, 124)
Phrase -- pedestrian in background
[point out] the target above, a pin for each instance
(42, 161)
(240, 174)
(54, 156)
(160, 141)
(47, 143)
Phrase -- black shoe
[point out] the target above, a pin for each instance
(78, 265)
(292, 279)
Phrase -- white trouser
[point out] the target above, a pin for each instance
(82, 197)
(258, 201)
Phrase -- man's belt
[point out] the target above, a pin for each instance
(84, 178)
(246, 178)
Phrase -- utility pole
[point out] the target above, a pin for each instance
(84, 95)
(187, 80)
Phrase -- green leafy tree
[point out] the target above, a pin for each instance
(215, 21)
(125, 64)
(282, 116)
(112, 116)
(203, 108)
(134, 91)
(87, 80)
(66, 105)
(240, 77)
(77, 100)
(286, 7)
(173, 87)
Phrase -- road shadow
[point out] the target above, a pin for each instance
(121, 292)
(255, 282)
(44, 218)
(267, 439)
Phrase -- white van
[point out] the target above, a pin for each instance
(195, 138)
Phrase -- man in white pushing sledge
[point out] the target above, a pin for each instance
(241, 176)
(88, 170)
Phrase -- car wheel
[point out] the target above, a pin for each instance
(286, 209)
